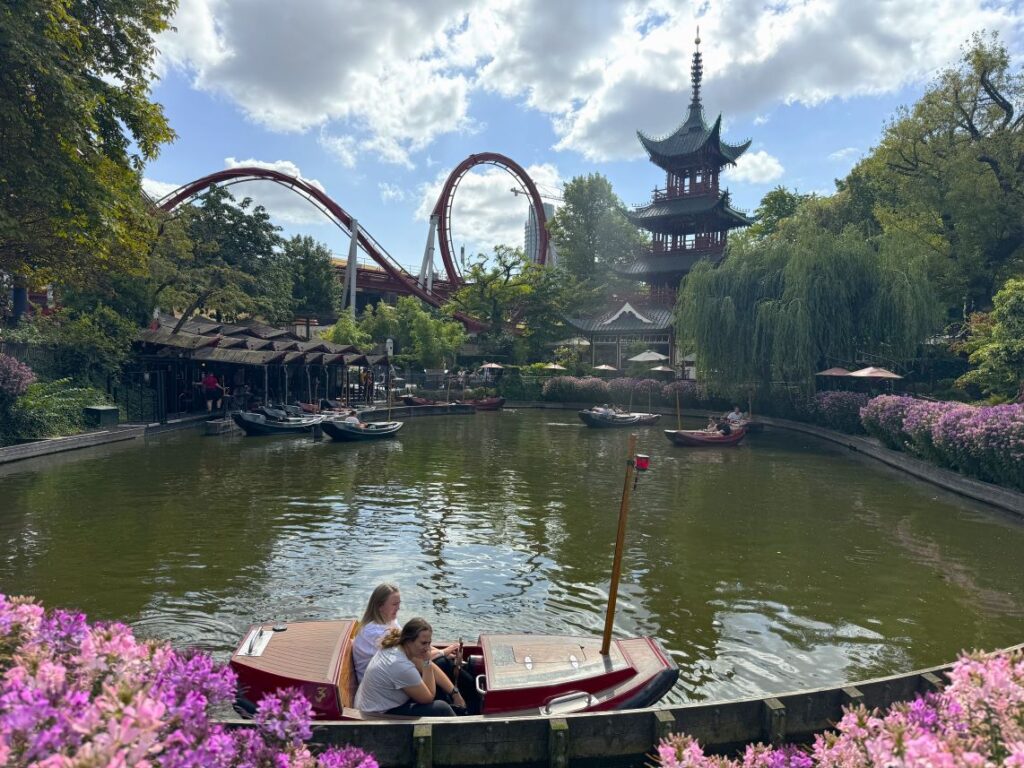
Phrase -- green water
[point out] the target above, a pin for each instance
(781, 564)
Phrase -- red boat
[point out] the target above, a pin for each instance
(485, 403)
(702, 438)
(513, 674)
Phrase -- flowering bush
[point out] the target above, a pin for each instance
(919, 423)
(977, 720)
(15, 377)
(690, 393)
(620, 389)
(986, 442)
(883, 418)
(72, 693)
(837, 410)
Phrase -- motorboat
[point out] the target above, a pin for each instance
(414, 400)
(603, 418)
(272, 421)
(703, 438)
(512, 674)
(345, 431)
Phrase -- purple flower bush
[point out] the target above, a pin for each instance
(15, 377)
(572, 389)
(984, 442)
(837, 410)
(690, 393)
(621, 388)
(977, 720)
(72, 693)
(919, 424)
(883, 418)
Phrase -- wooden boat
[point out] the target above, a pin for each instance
(600, 420)
(484, 403)
(414, 400)
(702, 438)
(268, 423)
(342, 431)
(513, 674)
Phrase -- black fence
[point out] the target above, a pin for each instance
(141, 396)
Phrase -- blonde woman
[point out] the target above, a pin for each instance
(400, 679)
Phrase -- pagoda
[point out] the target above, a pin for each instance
(689, 220)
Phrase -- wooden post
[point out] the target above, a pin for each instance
(613, 589)
(679, 417)
(558, 743)
(422, 745)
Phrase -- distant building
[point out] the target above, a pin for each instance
(689, 221)
(531, 236)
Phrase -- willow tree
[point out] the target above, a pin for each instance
(780, 308)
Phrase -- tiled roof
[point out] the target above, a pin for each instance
(606, 322)
(690, 137)
(678, 215)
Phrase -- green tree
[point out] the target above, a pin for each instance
(423, 337)
(949, 172)
(591, 231)
(996, 345)
(777, 205)
(347, 331)
(77, 127)
(315, 289)
(778, 309)
(225, 259)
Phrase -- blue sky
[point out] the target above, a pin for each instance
(378, 101)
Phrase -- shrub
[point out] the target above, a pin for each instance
(919, 424)
(72, 693)
(883, 418)
(561, 389)
(985, 442)
(52, 409)
(14, 378)
(837, 410)
(621, 389)
(690, 393)
(978, 719)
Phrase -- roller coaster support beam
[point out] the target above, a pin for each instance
(427, 267)
(348, 296)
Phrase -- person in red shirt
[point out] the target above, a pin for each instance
(212, 390)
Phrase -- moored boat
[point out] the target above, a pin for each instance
(513, 674)
(602, 419)
(485, 403)
(269, 423)
(373, 430)
(414, 400)
(702, 438)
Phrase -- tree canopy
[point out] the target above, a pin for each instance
(996, 345)
(315, 288)
(421, 336)
(591, 231)
(77, 127)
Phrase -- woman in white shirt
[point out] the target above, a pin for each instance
(400, 679)
(381, 615)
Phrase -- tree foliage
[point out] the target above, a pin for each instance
(422, 336)
(315, 288)
(346, 330)
(591, 231)
(77, 126)
(776, 206)
(223, 258)
(779, 309)
(522, 304)
(996, 345)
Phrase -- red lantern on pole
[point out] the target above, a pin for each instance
(643, 462)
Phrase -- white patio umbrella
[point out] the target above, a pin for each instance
(554, 367)
(650, 356)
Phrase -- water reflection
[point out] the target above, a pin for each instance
(781, 563)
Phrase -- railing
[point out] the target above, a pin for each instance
(695, 190)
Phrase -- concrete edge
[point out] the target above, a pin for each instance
(994, 495)
(53, 445)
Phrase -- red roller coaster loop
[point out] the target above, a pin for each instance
(443, 208)
(319, 198)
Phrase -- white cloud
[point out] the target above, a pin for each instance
(761, 119)
(485, 212)
(390, 192)
(845, 153)
(755, 168)
(283, 204)
(388, 77)
(158, 189)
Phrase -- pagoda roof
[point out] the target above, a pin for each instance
(667, 264)
(677, 215)
(625, 318)
(692, 136)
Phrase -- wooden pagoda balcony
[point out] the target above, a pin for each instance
(695, 190)
(699, 248)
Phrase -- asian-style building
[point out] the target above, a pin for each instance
(689, 220)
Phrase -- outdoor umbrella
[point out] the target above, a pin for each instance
(650, 356)
(575, 341)
(605, 367)
(834, 372)
(663, 368)
(871, 372)
(554, 367)
(493, 366)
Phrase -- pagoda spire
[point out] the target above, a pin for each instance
(696, 72)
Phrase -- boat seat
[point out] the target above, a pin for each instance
(350, 713)
(347, 680)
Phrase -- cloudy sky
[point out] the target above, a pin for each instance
(377, 101)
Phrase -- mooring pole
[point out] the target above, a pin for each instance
(613, 590)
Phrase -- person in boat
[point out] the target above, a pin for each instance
(379, 618)
(353, 420)
(723, 427)
(401, 678)
(735, 416)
